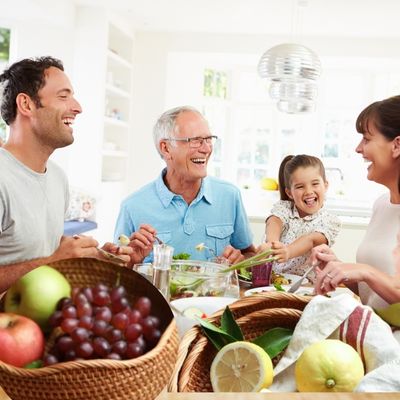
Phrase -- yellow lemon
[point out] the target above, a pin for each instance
(328, 366)
(269, 184)
(241, 367)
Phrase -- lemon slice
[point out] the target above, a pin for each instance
(241, 367)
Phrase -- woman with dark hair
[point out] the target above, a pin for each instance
(374, 276)
(298, 222)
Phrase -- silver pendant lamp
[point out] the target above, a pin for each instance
(292, 70)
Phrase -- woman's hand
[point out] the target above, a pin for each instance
(336, 273)
(321, 255)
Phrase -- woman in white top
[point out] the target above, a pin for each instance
(374, 277)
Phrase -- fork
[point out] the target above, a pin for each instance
(159, 241)
(298, 283)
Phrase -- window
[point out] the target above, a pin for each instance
(5, 34)
(254, 136)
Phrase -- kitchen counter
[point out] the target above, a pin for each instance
(258, 204)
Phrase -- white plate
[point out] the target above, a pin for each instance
(209, 305)
(263, 289)
(303, 290)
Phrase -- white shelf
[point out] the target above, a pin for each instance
(118, 101)
(117, 60)
(116, 91)
(116, 122)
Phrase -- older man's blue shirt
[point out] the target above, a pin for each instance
(216, 217)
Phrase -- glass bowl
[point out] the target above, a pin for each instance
(190, 278)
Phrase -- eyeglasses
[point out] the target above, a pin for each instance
(195, 142)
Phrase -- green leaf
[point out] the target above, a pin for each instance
(181, 256)
(274, 340)
(217, 336)
(34, 364)
(279, 287)
(229, 325)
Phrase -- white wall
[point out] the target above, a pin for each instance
(38, 33)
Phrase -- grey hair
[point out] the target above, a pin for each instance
(165, 126)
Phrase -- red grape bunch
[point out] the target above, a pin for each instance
(99, 322)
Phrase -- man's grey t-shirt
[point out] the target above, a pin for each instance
(32, 209)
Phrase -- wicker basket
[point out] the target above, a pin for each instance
(255, 314)
(141, 378)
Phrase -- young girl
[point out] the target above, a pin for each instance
(298, 222)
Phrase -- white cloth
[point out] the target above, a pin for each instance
(377, 246)
(294, 226)
(342, 317)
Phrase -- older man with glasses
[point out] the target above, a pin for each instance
(183, 206)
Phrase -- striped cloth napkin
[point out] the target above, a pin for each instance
(344, 318)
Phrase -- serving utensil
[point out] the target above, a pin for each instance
(298, 283)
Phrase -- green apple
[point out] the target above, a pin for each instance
(35, 295)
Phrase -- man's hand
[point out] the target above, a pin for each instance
(75, 247)
(232, 255)
(141, 243)
(123, 252)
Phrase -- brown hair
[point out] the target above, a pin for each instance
(290, 164)
(385, 115)
(25, 76)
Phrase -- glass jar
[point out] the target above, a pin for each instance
(162, 258)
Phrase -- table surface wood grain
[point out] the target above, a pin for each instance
(271, 396)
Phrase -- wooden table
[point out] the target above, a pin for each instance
(269, 396)
(279, 396)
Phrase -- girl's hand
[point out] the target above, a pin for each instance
(280, 251)
(263, 247)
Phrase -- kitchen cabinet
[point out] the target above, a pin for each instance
(117, 104)
(102, 78)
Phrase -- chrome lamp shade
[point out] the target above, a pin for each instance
(293, 70)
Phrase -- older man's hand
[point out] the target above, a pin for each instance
(232, 255)
(141, 243)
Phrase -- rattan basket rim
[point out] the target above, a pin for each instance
(250, 301)
(89, 364)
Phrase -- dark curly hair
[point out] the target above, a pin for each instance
(25, 76)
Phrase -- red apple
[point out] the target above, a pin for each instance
(21, 340)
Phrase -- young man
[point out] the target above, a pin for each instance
(183, 206)
(39, 106)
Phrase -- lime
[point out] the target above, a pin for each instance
(328, 366)
(241, 367)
